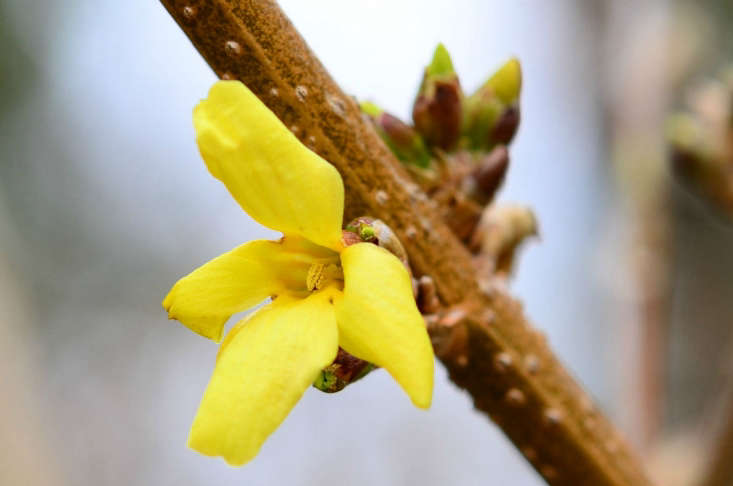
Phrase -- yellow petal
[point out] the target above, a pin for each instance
(263, 368)
(235, 281)
(379, 321)
(277, 180)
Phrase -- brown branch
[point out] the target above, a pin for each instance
(485, 340)
(717, 441)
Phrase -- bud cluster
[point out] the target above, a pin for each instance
(456, 146)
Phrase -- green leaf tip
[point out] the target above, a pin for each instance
(370, 108)
(327, 381)
(366, 232)
(441, 65)
(506, 82)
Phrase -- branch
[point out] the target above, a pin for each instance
(484, 339)
(717, 439)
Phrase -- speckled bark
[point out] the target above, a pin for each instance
(482, 337)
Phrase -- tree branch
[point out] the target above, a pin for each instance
(717, 440)
(483, 339)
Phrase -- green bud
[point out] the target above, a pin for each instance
(491, 114)
(370, 108)
(506, 83)
(402, 139)
(362, 226)
(481, 113)
(441, 65)
(437, 111)
(328, 381)
(366, 232)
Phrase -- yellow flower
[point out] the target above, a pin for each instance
(324, 295)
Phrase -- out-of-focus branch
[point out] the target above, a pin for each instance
(717, 441)
(639, 102)
(719, 471)
(701, 143)
(483, 337)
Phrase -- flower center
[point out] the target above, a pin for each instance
(321, 274)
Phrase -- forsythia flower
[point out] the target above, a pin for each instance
(324, 295)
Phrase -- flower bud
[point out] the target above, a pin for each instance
(491, 114)
(481, 112)
(437, 111)
(506, 83)
(402, 139)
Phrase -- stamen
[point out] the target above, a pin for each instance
(314, 280)
(321, 274)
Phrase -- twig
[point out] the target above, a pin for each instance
(485, 340)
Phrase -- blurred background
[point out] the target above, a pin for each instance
(105, 203)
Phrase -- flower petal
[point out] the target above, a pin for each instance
(235, 281)
(263, 368)
(277, 180)
(379, 322)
